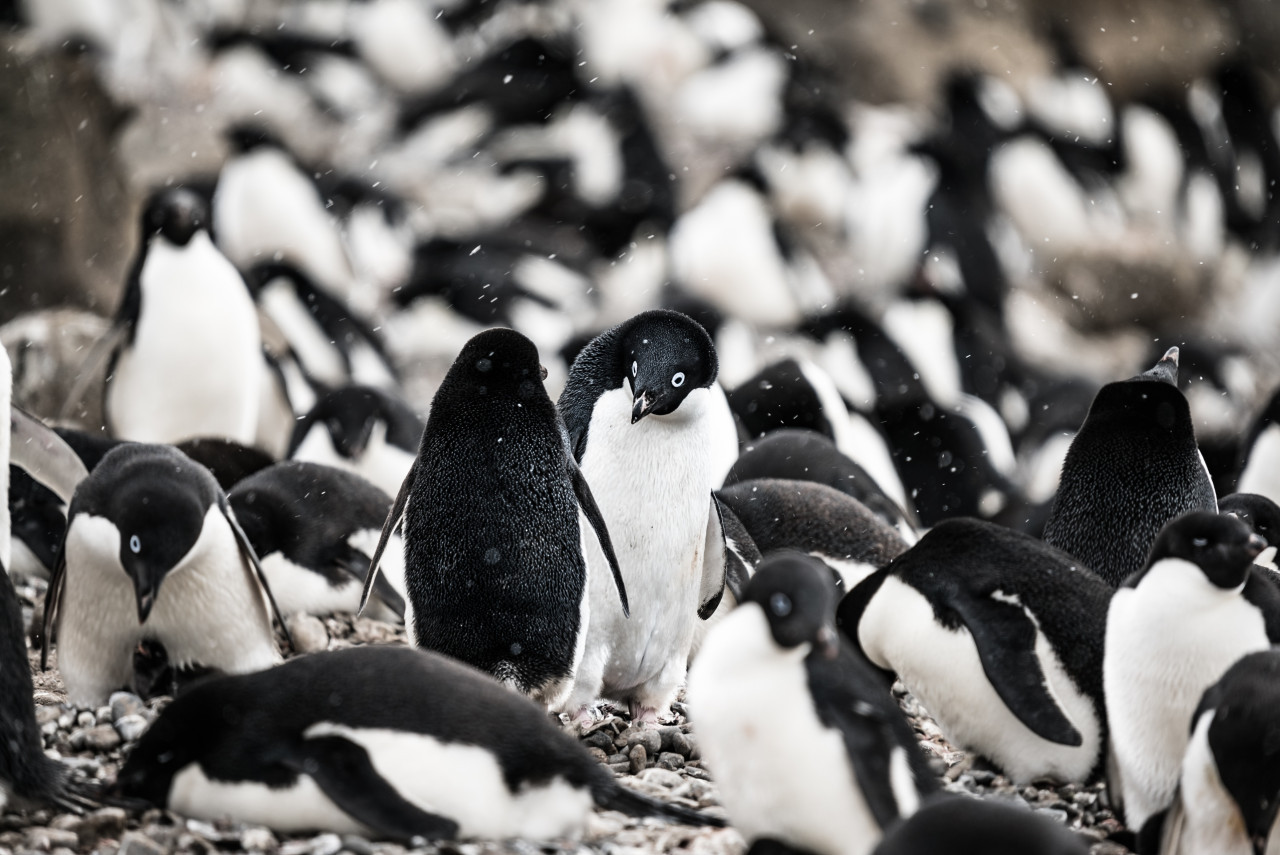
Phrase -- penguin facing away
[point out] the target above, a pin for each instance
(495, 572)
(642, 409)
(187, 352)
(386, 742)
(152, 551)
(1132, 467)
(314, 529)
(809, 748)
(1229, 789)
(999, 636)
(1193, 580)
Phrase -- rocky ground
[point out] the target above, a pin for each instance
(664, 762)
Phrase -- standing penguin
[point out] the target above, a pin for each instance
(1132, 467)
(1229, 791)
(1260, 453)
(1173, 629)
(189, 358)
(809, 748)
(1000, 637)
(153, 552)
(386, 742)
(980, 827)
(641, 407)
(494, 568)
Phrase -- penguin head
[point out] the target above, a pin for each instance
(159, 522)
(798, 599)
(1164, 371)
(1258, 512)
(499, 361)
(1221, 545)
(175, 214)
(664, 355)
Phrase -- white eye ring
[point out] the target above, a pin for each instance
(1199, 542)
(780, 604)
(135, 544)
(678, 379)
(635, 367)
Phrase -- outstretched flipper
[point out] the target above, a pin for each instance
(587, 503)
(343, 772)
(394, 517)
(1005, 636)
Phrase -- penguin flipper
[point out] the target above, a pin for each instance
(394, 517)
(1005, 637)
(721, 566)
(354, 563)
(343, 772)
(44, 455)
(53, 598)
(258, 577)
(88, 372)
(587, 503)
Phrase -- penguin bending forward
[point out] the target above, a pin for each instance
(386, 742)
(494, 570)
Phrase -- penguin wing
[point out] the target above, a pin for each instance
(257, 576)
(44, 455)
(394, 517)
(354, 563)
(89, 372)
(1005, 636)
(721, 566)
(587, 503)
(343, 772)
(53, 598)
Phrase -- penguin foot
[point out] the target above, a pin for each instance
(643, 715)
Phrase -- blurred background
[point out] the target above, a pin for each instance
(1048, 192)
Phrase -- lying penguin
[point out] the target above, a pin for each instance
(385, 742)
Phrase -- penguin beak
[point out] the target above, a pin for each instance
(146, 599)
(641, 406)
(828, 642)
(1254, 545)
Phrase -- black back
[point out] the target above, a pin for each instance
(229, 461)
(349, 413)
(1132, 467)
(805, 455)
(980, 827)
(660, 344)
(811, 517)
(492, 503)
(779, 396)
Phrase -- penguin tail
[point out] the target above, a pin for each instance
(611, 795)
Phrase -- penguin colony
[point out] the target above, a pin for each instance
(754, 445)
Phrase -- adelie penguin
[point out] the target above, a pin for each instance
(1260, 454)
(980, 827)
(495, 573)
(1000, 638)
(186, 348)
(153, 552)
(1229, 790)
(1132, 467)
(314, 528)
(384, 742)
(647, 424)
(809, 748)
(1173, 629)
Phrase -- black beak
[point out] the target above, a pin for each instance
(641, 406)
(828, 642)
(1254, 545)
(146, 599)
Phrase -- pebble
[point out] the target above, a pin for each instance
(670, 760)
(326, 844)
(257, 839)
(125, 703)
(648, 737)
(661, 777)
(107, 823)
(45, 839)
(86, 719)
(130, 727)
(308, 633)
(639, 758)
(600, 739)
(102, 737)
(357, 845)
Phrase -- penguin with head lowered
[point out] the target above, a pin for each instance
(980, 827)
(1173, 629)
(1000, 637)
(495, 573)
(1229, 789)
(809, 748)
(647, 423)
(385, 742)
(187, 351)
(314, 529)
(1132, 467)
(153, 552)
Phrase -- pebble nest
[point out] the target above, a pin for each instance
(663, 762)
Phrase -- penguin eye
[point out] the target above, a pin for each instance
(135, 545)
(635, 366)
(1199, 542)
(678, 379)
(780, 604)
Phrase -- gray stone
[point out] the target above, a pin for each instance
(648, 737)
(600, 739)
(45, 839)
(257, 839)
(130, 727)
(47, 715)
(102, 737)
(107, 823)
(86, 719)
(126, 703)
(639, 758)
(662, 777)
(308, 633)
(600, 756)
(680, 744)
(670, 760)
(326, 844)
(357, 845)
